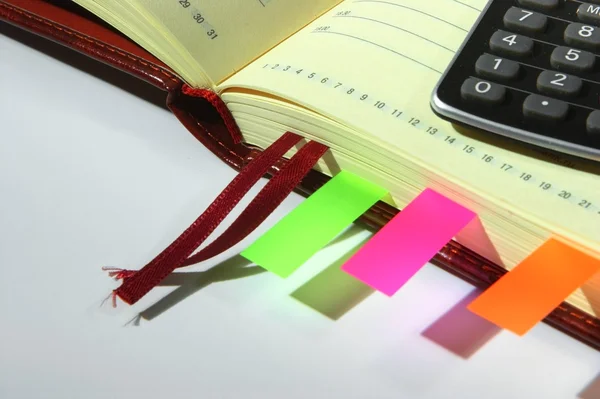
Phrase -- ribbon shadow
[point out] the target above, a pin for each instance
(188, 284)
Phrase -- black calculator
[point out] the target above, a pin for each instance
(529, 70)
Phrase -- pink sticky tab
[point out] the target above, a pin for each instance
(408, 242)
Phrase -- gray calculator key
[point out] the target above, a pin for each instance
(585, 36)
(593, 124)
(525, 21)
(511, 44)
(489, 66)
(589, 13)
(570, 59)
(545, 5)
(545, 108)
(480, 91)
(558, 83)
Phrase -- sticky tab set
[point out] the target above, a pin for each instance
(387, 261)
(528, 293)
(315, 222)
(408, 242)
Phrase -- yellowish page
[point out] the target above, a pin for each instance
(373, 64)
(223, 36)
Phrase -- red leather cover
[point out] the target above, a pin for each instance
(66, 23)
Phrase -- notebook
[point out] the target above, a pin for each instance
(357, 76)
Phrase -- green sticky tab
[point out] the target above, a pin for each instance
(315, 222)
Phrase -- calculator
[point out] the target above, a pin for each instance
(529, 70)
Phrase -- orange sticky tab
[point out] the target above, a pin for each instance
(535, 287)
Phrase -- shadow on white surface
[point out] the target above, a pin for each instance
(332, 292)
(592, 391)
(189, 283)
(460, 331)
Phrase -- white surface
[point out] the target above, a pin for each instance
(92, 176)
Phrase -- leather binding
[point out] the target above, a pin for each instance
(206, 118)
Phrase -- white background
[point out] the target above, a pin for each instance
(91, 175)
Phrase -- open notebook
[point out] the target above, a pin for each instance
(357, 75)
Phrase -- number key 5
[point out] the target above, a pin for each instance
(569, 59)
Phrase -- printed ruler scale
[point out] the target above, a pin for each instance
(588, 203)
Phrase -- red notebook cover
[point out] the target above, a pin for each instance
(207, 118)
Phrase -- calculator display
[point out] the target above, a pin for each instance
(529, 70)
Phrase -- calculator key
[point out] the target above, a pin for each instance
(482, 92)
(589, 13)
(545, 5)
(593, 124)
(545, 108)
(511, 44)
(565, 58)
(525, 21)
(492, 67)
(580, 35)
(559, 84)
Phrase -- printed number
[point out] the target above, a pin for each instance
(299, 71)
(527, 15)
(287, 68)
(324, 80)
(379, 104)
(199, 18)
(561, 78)
(185, 3)
(450, 139)
(487, 158)
(275, 66)
(397, 113)
(337, 85)
(506, 167)
(545, 186)
(564, 194)
(525, 176)
(343, 13)
(498, 62)
(468, 149)
(212, 34)
(572, 55)
(414, 121)
(510, 39)
(483, 87)
(350, 91)
(312, 75)
(364, 97)
(586, 31)
(432, 130)
(584, 203)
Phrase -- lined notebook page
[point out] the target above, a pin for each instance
(373, 64)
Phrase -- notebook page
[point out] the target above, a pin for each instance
(223, 36)
(373, 64)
